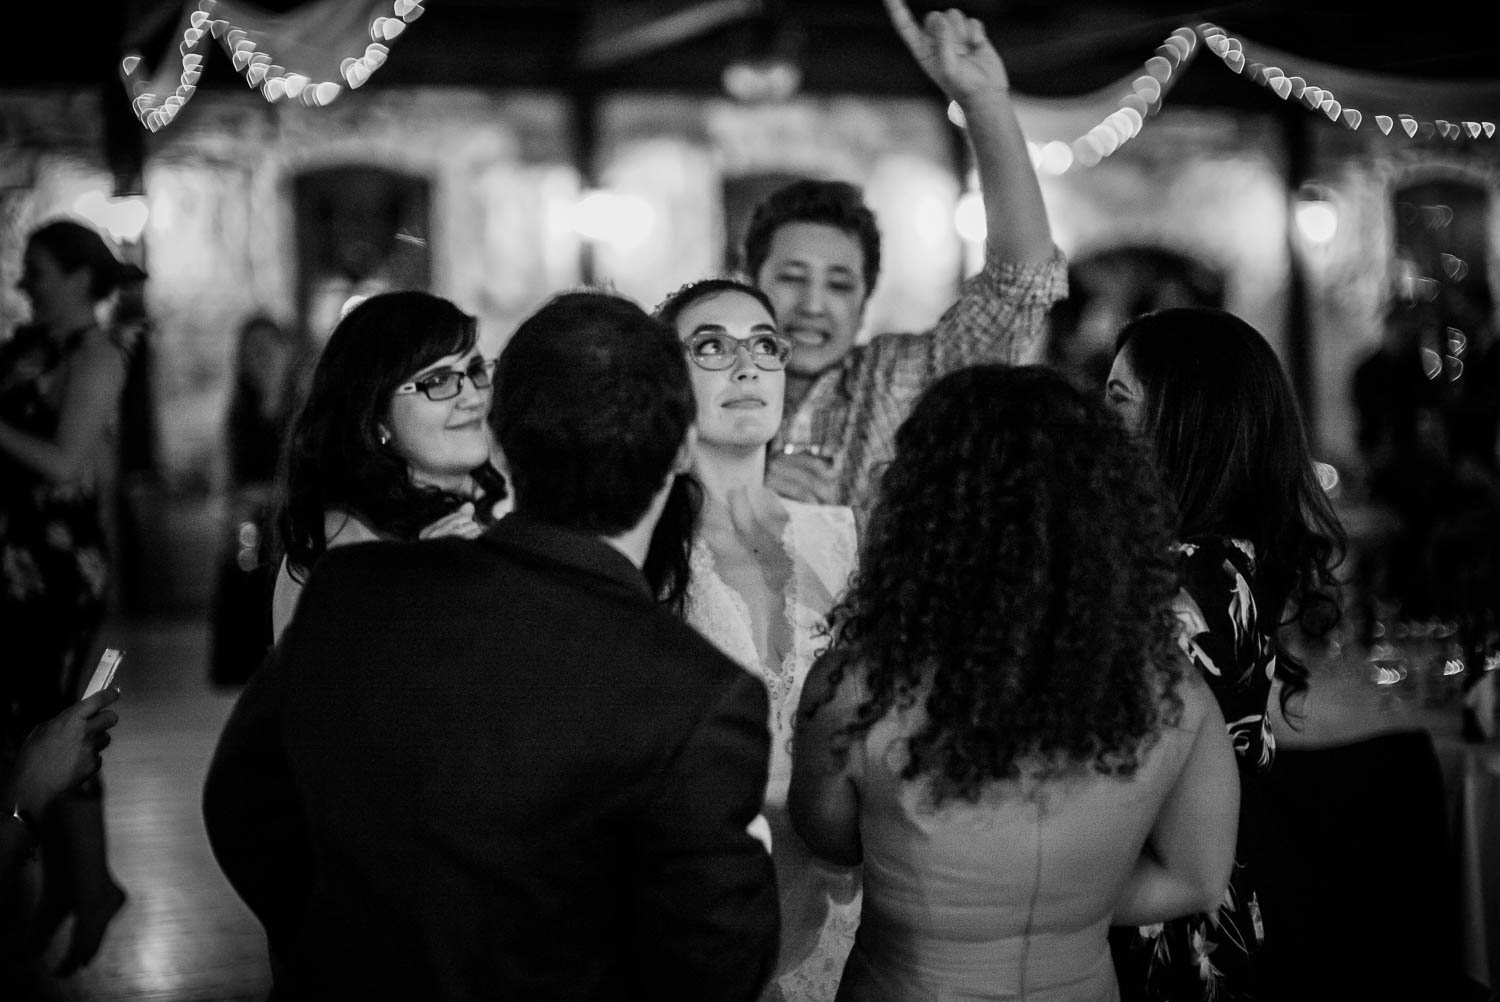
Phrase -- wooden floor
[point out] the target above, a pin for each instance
(183, 933)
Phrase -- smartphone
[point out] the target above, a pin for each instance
(104, 673)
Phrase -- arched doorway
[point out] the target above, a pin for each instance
(360, 230)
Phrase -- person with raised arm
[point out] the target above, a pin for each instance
(814, 248)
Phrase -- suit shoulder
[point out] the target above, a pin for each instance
(686, 650)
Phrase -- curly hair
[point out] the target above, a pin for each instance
(1017, 575)
(334, 458)
(1228, 436)
(831, 203)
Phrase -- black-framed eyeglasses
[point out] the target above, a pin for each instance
(445, 384)
(716, 351)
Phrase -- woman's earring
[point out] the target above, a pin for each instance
(385, 437)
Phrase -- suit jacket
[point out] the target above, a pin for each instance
(496, 769)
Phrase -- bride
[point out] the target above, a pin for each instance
(764, 571)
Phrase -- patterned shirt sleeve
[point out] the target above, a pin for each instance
(999, 316)
(1222, 635)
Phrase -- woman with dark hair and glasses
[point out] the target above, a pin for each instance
(763, 573)
(1003, 731)
(393, 440)
(1258, 542)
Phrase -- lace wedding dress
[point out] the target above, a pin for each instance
(819, 902)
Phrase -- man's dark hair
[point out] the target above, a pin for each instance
(831, 203)
(592, 403)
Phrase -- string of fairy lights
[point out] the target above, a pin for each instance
(1139, 100)
(1295, 88)
(260, 69)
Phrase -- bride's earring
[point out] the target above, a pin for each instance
(385, 437)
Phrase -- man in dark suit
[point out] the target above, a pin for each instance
(499, 769)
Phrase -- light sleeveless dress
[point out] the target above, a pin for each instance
(819, 903)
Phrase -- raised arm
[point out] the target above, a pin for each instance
(706, 922)
(956, 53)
(823, 799)
(1190, 851)
(91, 400)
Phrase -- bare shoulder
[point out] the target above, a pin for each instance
(1199, 706)
(342, 526)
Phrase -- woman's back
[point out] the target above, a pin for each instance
(1010, 897)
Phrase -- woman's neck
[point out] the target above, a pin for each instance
(724, 471)
(461, 484)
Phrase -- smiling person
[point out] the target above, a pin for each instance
(392, 441)
(763, 573)
(61, 377)
(813, 246)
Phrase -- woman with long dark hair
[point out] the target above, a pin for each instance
(393, 439)
(763, 572)
(1259, 541)
(1003, 730)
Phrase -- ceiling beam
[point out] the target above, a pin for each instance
(616, 33)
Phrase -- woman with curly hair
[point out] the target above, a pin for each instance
(1003, 730)
(393, 440)
(1259, 542)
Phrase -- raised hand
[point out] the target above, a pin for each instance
(952, 49)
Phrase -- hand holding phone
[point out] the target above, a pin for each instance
(104, 673)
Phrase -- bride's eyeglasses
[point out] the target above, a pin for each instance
(445, 384)
(716, 351)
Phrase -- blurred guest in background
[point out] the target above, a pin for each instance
(137, 468)
(392, 441)
(60, 383)
(1003, 729)
(814, 248)
(1111, 286)
(1259, 543)
(1403, 445)
(261, 403)
(765, 570)
(133, 327)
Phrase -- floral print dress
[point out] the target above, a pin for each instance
(53, 557)
(1214, 957)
